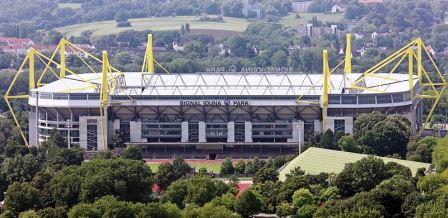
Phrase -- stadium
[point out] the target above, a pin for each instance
(216, 115)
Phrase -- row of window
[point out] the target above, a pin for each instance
(333, 99)
(369, 99)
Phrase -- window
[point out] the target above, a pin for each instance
(383, 99)
(349, 99)
(92, 135)
(339, 125)
(334, 99)
(366, 99)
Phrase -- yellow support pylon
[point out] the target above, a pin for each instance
(148, 62)
(62, 57)
(104, 100)
(411, 72)
(348, 55)
(325, 88)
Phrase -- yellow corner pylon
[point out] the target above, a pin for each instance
(30, 59)
(148, 62)
(104, 98)
(348, 55)
(425, 80)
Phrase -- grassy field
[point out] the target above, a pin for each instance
(317, 160)
(234, 25)
(69, 5)
(292, 21)
(211, 166)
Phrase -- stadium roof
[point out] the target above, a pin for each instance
(227, 84)
(318, 160)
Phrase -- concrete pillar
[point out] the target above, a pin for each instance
(83, 132)
(231, 131)
(298, 131)
(349, 125)
(33, 129)
(248, 131)
(329, 124)
(135, 131)
(184, 128)
(202, 132)
(317, 126)
(99, 132)
(116, 125)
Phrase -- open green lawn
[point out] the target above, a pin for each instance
(157, 23)
(292, 21)
(317, 160)
(212, 166)
(69, 5)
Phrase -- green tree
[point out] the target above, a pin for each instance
(57, 158)
(302, 197)
(119, 139)
(197, 190)
(53, 212)
(285, 209)
(227, 167)
(240, 167)
(391, 194)
(21, 197)
(128, 180)
(133, 152)
(182, 29)
(362, 175)
(328, 140)
(348, 143)
(390, 136)
(166, 174)
(279, 59)
(200, 190)
(248, 204)
(440, 155)
(208, 210)
(55, 140)
(265, 174)
(365, 123)
(176, 192)
(187, 28)
(20, 168)
(239, 46)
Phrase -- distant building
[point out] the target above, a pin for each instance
(317, 32)
(374, 35)
(249, 7)
(14, 41)
(177, 47)
(337, 8)
(301, 6)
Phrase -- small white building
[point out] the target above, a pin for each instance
(301, 6)
(338, 9)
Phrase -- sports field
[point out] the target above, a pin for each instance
(210, 165)
(292, 21)
(156, 24)
(317, 160)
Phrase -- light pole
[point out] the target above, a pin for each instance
(68, 133)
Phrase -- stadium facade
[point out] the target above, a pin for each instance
(222, 113)
(211, 112)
